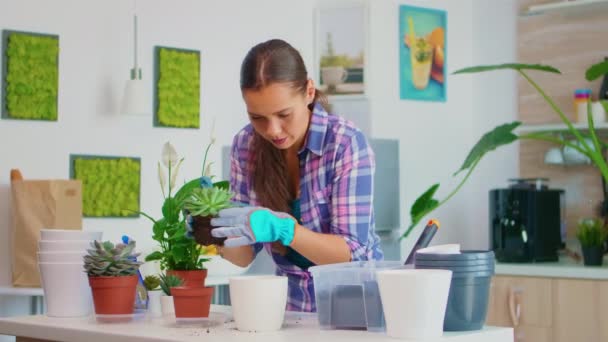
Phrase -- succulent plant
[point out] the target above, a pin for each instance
(151, 282)
(169, 281)
(107, 260)
(207, 201)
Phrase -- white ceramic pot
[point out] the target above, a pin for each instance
(166, 306)
(258, 302)
(62, 257)
(154, 304)
(414, 302)
(66, 289)
(63, 245)
(69, 234)
(220, 267)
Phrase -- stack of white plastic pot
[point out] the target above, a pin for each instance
(64, 281)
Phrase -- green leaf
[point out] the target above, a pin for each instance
(186, 189)
(225, 185)
(605, 104)
(597, 70)
(180, 253)
(511, 66)
(501, 135)
(170, 210)
(154, 256)
(159, 229)
(422, 206)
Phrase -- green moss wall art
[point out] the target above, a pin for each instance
(177, 88)
(110, 185)
(30, 79)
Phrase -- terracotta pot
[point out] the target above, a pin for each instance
(201, 226)
(194, 278)
(113, 295)
(192, 302)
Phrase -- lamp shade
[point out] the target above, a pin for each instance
(134, 101)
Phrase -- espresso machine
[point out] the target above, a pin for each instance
(527, 222)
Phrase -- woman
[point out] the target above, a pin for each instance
(307, 177)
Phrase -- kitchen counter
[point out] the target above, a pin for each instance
(298, 327)
(564, 268)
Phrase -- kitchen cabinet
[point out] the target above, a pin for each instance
(583, 308)
(524, 303)
(550, 309)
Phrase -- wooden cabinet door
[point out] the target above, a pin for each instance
(582, 308)
(520, 301)
(528, 333)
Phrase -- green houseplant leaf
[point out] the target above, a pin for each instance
(499, 136)
(596, 71)
(503, 135)
(510, 66)
(422, 206)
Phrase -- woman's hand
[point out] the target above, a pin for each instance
(248, 225)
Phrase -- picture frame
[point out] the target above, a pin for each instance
(31, 95)
(423, 53)
(341, 49)
(177, 84)
(110, 185)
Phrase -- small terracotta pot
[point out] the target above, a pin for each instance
(201, 226)
(194, 278)
(192, 302)
(113, 295)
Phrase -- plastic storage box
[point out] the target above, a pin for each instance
(347, 294)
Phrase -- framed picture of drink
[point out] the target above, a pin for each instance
(422, 53)
(340, 49)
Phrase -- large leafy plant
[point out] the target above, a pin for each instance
(504, 135)
(177, 251)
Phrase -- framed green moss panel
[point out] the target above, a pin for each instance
(110, 185)
(176, 87)
(30, 75)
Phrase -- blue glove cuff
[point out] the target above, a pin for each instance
(267, 227)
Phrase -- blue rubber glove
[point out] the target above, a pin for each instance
(248, 225)
(189, 231)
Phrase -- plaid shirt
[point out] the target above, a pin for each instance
(336, 192)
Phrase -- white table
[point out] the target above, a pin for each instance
(35, 293)
(220, 328)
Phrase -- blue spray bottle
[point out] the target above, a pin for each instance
(141, 294)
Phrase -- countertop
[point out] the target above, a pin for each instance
(564, 268)
(219, 327)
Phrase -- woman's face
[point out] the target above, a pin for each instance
(280, 114)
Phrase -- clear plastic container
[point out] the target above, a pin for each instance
(347, 294)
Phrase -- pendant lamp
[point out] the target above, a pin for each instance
(134, 101)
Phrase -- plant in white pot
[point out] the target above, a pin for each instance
(112, 271)
(152, 284)
(166, 300)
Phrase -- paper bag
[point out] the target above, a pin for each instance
(38, 204)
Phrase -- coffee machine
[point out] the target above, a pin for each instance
(527, 221)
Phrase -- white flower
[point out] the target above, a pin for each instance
(169, 155)
(174, 174)
(162, 179)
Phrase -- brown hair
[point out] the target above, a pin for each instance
(273, 61)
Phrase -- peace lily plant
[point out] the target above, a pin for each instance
(504, 135)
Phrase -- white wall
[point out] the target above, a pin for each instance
(96, 55)
(436, 137)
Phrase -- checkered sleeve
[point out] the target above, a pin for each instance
(352, 194)
(239, 157)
